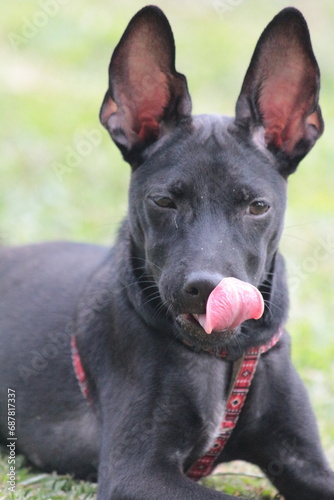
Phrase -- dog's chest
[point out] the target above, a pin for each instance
(212, 386)
(213, 425)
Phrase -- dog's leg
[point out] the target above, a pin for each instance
(294, 459)
(159, 482)
(283, 438)
(133, 473)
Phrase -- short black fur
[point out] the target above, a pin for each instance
(155, 377)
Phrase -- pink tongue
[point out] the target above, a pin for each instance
(231, 303)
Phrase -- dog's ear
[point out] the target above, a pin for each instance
(279, 96)
(146, 95)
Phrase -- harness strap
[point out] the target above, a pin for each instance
(79, 371)
(243, 372)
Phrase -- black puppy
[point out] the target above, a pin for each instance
(206, 202)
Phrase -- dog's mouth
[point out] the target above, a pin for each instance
(230, 304)
(195, 336)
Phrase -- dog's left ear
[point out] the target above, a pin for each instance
(146, 95)
(278, 102)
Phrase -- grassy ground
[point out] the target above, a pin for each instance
(52, 79)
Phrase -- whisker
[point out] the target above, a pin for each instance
(151, 298)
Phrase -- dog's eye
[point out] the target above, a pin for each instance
(258, 207)
(164, 202)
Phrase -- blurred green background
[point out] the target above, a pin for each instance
(62, 178)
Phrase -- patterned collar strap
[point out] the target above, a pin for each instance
(243, 372)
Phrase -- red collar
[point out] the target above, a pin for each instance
(243, 372)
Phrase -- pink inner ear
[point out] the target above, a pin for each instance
(284, 103)
(149, 127)
(148, 94)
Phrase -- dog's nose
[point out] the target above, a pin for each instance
(197, 289)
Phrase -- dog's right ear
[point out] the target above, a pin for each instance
(146, 95)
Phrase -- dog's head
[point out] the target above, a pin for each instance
(208, 193)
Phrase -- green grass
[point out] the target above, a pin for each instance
(43, 486)
(51, 88)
